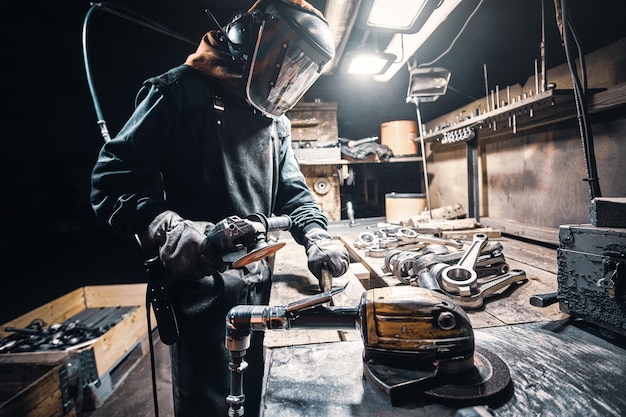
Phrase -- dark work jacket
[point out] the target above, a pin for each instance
(196, 148)
(212, 153)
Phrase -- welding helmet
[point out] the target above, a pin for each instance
(283, 46)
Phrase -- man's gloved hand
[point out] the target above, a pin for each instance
(324, 252)
(178, 242)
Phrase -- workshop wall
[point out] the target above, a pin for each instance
(536, 177)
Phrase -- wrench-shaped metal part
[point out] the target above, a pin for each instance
(461, 278)
(402, 264)
(493, 269)
(488, 287)
(430, 259)
(432, 239)
(391, 255)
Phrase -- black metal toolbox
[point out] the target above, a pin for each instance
(592, 274)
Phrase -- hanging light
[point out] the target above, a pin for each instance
(367, 62)
(406, 45)
(406, 16)
(427, 84)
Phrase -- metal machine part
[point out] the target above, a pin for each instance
(544, 300)
(461, 278)
(80, 329)
(242, 241)
(491, 248)
(407, 265)
(484, 288)
(469, 282)
(417, 342)
(485, 383)
(393, 237)
(350, 213)
(414, 328)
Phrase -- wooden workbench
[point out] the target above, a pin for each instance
(558, 366)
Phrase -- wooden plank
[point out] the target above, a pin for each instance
(111, 347)
(115, 295)
(542, 234)
(31, 390)
(468, 234)
(362, 273)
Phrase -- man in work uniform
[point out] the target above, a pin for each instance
(208, 140)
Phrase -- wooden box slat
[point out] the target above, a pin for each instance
(110, 347)
(31, 390)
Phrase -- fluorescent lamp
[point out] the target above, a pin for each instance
(405, 45)
(367, 63)
(395, 14)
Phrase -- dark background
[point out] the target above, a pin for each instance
(54, 242)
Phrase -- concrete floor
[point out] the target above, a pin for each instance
(134, 396)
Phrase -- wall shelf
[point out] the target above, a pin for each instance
(548, 107)
(395, 159)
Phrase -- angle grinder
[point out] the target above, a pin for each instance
(416, 342)
(240, 241)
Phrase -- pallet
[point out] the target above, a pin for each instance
(102, 363)
(96, 391)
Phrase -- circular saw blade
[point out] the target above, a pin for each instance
(258, 254)
(489, 377)
(485, 383)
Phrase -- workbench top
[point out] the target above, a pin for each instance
(558, 366)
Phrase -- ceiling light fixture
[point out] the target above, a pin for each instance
(406, 16)
(367, 62)
(405, 45)
(427, 84)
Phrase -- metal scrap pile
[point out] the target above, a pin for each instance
(82, 328)
(418, 259)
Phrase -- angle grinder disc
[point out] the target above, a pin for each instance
(258, 254)
(484, 382)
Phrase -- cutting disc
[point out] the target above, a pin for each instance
(322, 186)
(485, 383)
(258, 254)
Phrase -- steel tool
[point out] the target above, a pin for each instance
(416, 342)
(461, 278)
(241, 241)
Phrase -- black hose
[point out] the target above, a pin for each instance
(580, 97)
(128, 15)
(96, 104)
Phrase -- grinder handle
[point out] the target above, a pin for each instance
(326, 282)
(278, 223)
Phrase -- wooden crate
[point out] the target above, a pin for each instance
(314, 122)
(102, 360)
(34, 390)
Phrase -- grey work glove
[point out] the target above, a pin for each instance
(324, 252)
(178, 242)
